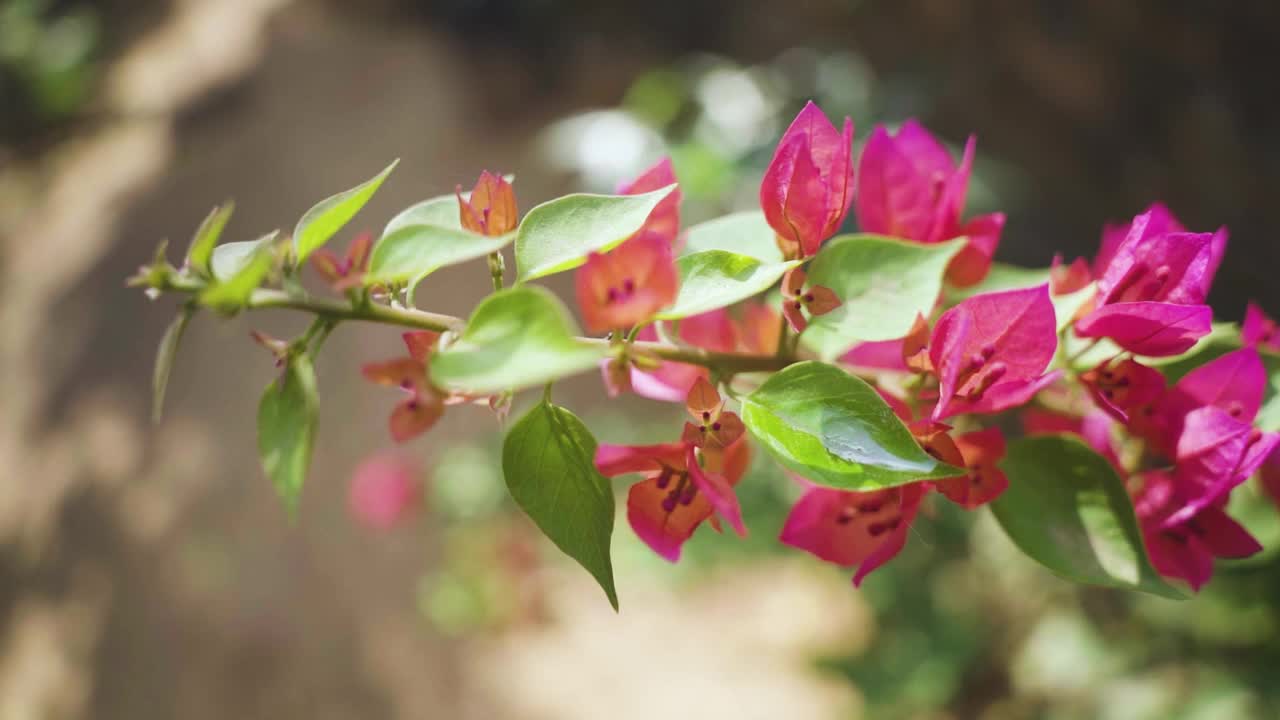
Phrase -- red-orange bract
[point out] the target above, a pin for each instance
(491, 209)
(627, 285)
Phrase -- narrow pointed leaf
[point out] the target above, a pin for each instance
(548, 462)
(1068, 510)
(287, 418)
(744, 233)
(713, 279)
(327, 217)
(200, 252)
(164, 359)
(516, 338)
(883, 284)
(834, 429)
(557, 235)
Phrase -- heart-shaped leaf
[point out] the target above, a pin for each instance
(883, 284)
(328, 216)
(516, 338)
(548, 462)
(206, 237)
(1068, 510)
(287, 428)
(836, 430)
(714, 279)
(557, 235)
(744, 233)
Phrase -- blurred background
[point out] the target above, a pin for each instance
(149, 571)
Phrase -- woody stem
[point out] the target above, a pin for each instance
(727, 363)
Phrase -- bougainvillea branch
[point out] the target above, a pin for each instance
(1093, 407)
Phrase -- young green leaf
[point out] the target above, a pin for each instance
(557, 235)
(745, 233)
(411, 252)
(164, 359)
(548, 460)
(441, 211)
(238, 270)
(1068, 510)
(229, 259)
(835, 430)
(714, 279)
(516, 338)
(883, 284)
(287, 428)
(328, 216)
(201, 250)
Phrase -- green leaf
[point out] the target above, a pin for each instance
(328, 216)
(441, 211)
(287, 428)
(714, 279)
(206, 237)
(516, 338)
(238, 269)
(164, 359)
(411, 252)
(836, 430)
(883, 283)
(557, 235)
(1068, 510)
(230, 259)
(548, 460)
(744, 233)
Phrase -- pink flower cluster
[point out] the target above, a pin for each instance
(987, 355)
(1181, 447)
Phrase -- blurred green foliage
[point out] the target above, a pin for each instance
(46, 64)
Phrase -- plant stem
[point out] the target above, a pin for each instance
(497, 268)
(725, 362)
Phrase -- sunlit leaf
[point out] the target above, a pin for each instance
(411, 252)
(200, 252)
(557, 235)
(516, 338)
(238, 269)
(1068, 510)
(548, 460)
(744, 233)
(834, 429)
(714, 279)
(883, 284)
(327, 217)
(441, 211)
